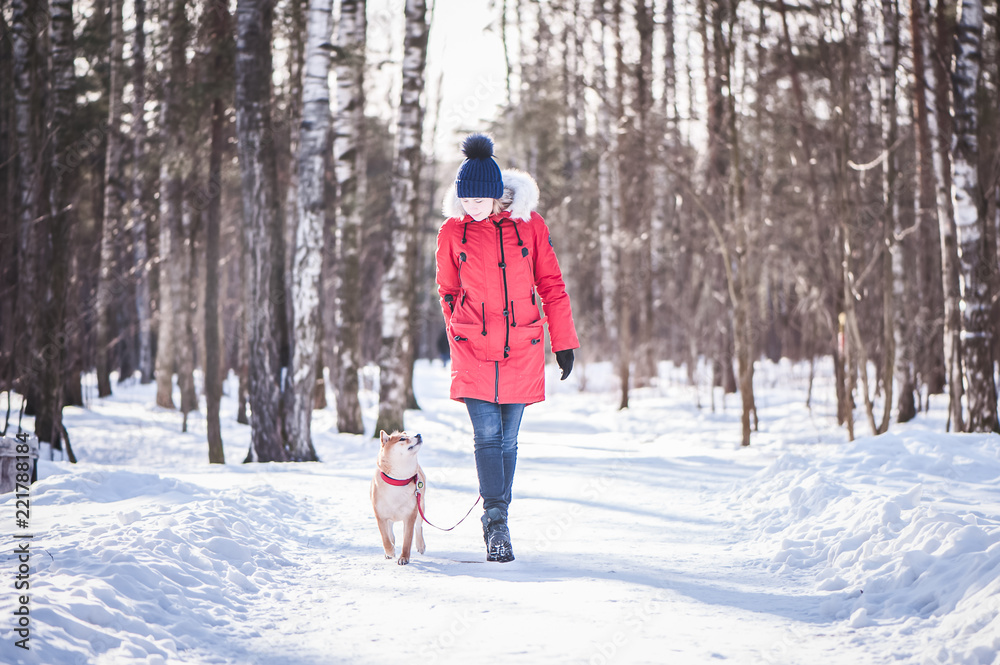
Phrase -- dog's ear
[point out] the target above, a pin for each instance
(383, 437)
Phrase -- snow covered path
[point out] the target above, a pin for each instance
(618, 561)
(643, 536)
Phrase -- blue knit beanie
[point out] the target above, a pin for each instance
(479, 175)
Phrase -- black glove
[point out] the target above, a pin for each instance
(565, 360)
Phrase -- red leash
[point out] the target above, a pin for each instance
(420, 486)
(397, 482)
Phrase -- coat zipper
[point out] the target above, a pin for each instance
(506, 314)
(461, 262)
(506, 296)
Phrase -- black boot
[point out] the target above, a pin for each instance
(497, 536)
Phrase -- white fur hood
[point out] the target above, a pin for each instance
(520, 196)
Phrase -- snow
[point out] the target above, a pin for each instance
(642, 536)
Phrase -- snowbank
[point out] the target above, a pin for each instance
(135, 566)
(902, 530)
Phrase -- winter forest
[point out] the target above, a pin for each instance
(253, 187)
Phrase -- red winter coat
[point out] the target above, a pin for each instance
(492, 275)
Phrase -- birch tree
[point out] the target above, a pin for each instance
(946, 224)
(307, 263)
(398, 284)
(977, 265)
(928, 344)
(260, 225)
(350, 163)
(294, 18)
(114, 200)
(140, 251)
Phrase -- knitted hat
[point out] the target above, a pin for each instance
(479, 175)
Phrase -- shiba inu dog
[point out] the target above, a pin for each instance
(393, 492)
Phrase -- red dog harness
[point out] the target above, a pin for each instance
(398, 483)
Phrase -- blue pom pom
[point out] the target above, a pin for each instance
(477, 146)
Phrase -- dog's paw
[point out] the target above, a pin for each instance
(403, 560)
(390, 555)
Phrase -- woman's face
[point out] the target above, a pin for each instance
(478, 209)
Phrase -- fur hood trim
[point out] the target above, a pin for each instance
(520, 196)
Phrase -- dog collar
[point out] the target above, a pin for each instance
(397, 482)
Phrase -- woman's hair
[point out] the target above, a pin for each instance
(499, 205)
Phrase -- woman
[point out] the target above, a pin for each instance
(494, 255)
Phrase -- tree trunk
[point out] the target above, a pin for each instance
(904, 336)
(850, 375)
(977, 265)
(349, 152)
(894, 353)
(260, 212)
(854, 333)
(8, 211)
(927, 342)
(624, 236)
(645, 186)
(329, 279)
(670, 109)
(28, 114)
(506, 50)
(398, 286)
(140, 247)
(949, 253)
(220, 31)
(319, 391)
(174, 26)
(114, 201)
(213, 360)
(186, 297)
(184, 234)
(242, 325)
(664, 216)
(716, 169)
(739, 220)
(307, 264)
(607, 192)
(54, 277)
(288, 121)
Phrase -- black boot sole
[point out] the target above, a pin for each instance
(500, 554)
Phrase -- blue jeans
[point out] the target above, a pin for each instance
(495, 429)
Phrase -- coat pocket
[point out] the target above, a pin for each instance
(527, 356)
(528, 337)
(472, 337)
